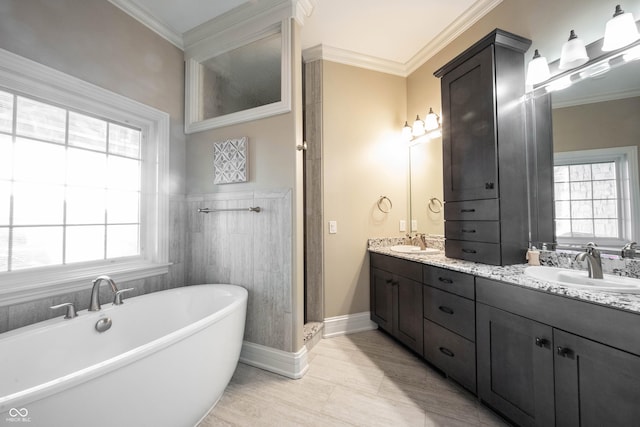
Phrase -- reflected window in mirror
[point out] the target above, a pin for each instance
(593, 195)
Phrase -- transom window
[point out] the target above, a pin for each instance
(592, 191)
(69, 185)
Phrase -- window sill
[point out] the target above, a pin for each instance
(18, 287)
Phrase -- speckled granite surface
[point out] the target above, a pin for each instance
(514, 274)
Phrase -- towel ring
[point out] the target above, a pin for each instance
(434, 201)
(380, 202)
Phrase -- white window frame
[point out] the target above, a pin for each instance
(626, 159)
(34, 79)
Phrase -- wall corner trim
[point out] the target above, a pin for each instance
(290, 365)
(348, 324)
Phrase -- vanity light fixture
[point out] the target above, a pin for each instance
(620, 31)
(429, 128)
(574, 53)
(537, 70)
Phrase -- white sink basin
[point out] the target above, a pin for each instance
(580, 279)
(408, 249)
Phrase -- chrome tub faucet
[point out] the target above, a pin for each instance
(95, 291)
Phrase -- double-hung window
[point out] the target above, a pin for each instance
(594, 192)
(82, 177)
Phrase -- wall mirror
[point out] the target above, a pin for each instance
(234, 82)
(425, 183)
(595, 136)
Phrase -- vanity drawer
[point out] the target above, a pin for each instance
(450, 311)
(476, 231)
(450, 281)
(472, 210)
(455, 355)
(401, 267)
(486, 253)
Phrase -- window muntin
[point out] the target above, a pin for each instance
(70, 185)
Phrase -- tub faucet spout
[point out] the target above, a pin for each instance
(95, 291)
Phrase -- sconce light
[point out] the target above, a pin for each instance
(430, 127)
(573, 53)
(432, 121)
(537, 70)
(418, 127)
(620, 31)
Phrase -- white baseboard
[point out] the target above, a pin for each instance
(349, 324)
(290, 365)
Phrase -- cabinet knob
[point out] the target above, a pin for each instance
(446, 351)
(489, 185)
(445, 309)
(564, 352)
(542, 342)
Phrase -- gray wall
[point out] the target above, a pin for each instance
(97, 42)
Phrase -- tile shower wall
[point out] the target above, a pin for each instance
(22, 314)
(249, 249)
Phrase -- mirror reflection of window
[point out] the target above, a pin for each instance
(243, 78)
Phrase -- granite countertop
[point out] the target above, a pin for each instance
(514, 274)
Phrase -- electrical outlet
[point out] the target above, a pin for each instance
(403, 225)
(414, 225)
(333, 227)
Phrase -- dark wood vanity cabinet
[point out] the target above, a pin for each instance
(449, 323)
(396, 299)
(515, 366)
(535, 372)
(484, 151)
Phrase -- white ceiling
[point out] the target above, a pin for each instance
(396, 34)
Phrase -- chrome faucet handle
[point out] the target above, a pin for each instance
(117, 298)
(71, 309)
(629, 250)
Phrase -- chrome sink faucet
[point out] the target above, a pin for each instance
(594, 262)
(95, 291)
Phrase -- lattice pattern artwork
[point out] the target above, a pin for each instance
(231, 161)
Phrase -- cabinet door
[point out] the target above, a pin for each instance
(407, 325)
(382, 299)
(515, 366)
(469, 136)
(596, 385)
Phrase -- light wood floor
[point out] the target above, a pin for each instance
(363, 379)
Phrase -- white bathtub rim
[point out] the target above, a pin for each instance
(83, 375)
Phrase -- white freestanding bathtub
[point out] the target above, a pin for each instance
(165, 361)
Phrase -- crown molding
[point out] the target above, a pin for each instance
(355, 59)
(479, 9)
(145, 17)
(472, 15)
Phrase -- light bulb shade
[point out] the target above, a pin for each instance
(432, 121)
(537, 70)
(406, 132)
(574, 54)
(418, 127)
(620, 31)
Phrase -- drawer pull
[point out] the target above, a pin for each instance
(542, 342)
(467, 210)
(469, 251)
(445, 309)
(445, 280)
(446, 352)
(468, 231)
